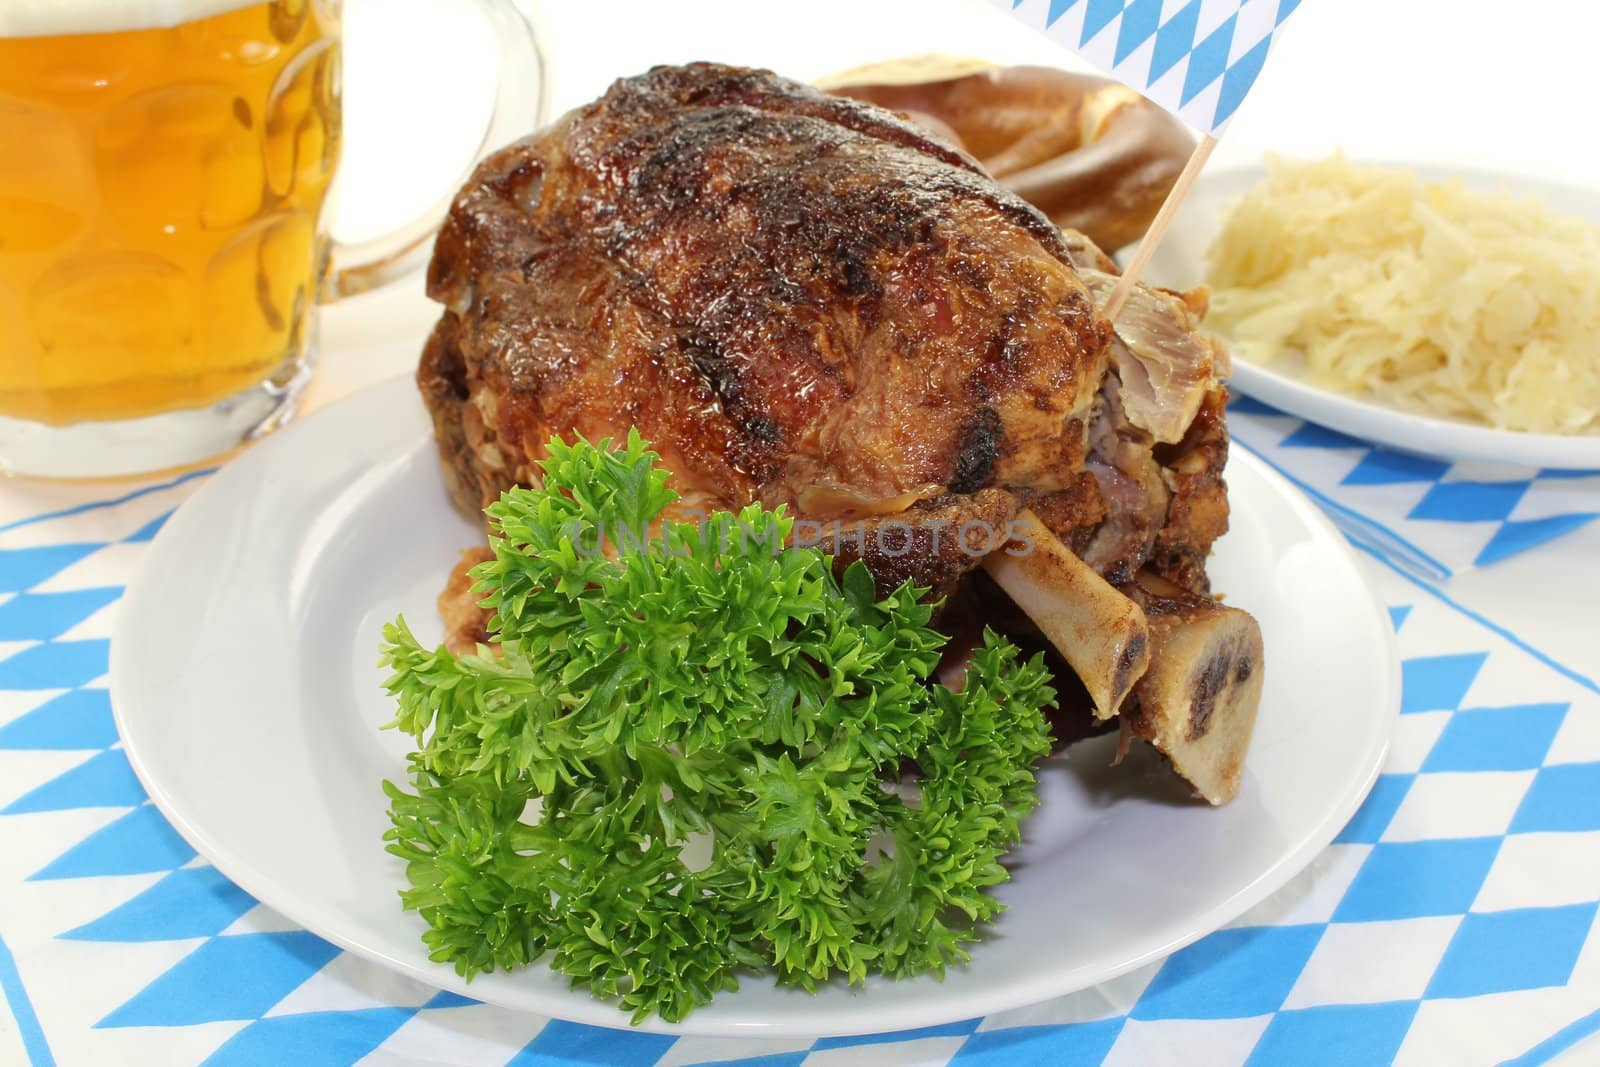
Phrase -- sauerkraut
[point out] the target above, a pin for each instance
(1426, 295)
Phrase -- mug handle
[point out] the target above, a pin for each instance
(519, 108)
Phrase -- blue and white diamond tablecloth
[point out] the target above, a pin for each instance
(1453, 921)
(1435, 518)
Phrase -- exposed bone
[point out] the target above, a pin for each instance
(1099, 631)
(1197, 702)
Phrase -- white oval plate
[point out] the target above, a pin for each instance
(1180, 262)
(246, 690)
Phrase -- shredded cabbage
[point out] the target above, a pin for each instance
(1427, 295)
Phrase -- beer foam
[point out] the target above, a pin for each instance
(49, 18)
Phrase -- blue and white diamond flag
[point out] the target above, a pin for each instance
(1196, 58)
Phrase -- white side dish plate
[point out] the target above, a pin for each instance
(1179, 262)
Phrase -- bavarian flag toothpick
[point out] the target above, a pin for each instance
(1196, 58)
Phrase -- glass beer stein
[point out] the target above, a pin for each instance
(164, 174)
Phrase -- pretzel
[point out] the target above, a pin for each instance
(1089, 152)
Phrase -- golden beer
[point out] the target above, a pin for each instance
(161, 199)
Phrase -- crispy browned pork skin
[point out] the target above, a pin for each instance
(803, 299)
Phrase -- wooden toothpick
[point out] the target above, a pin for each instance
(1158, 229)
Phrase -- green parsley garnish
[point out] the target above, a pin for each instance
(702, 682)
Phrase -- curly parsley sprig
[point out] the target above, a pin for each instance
(699, 681)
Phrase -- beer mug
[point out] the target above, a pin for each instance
(164, 171)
